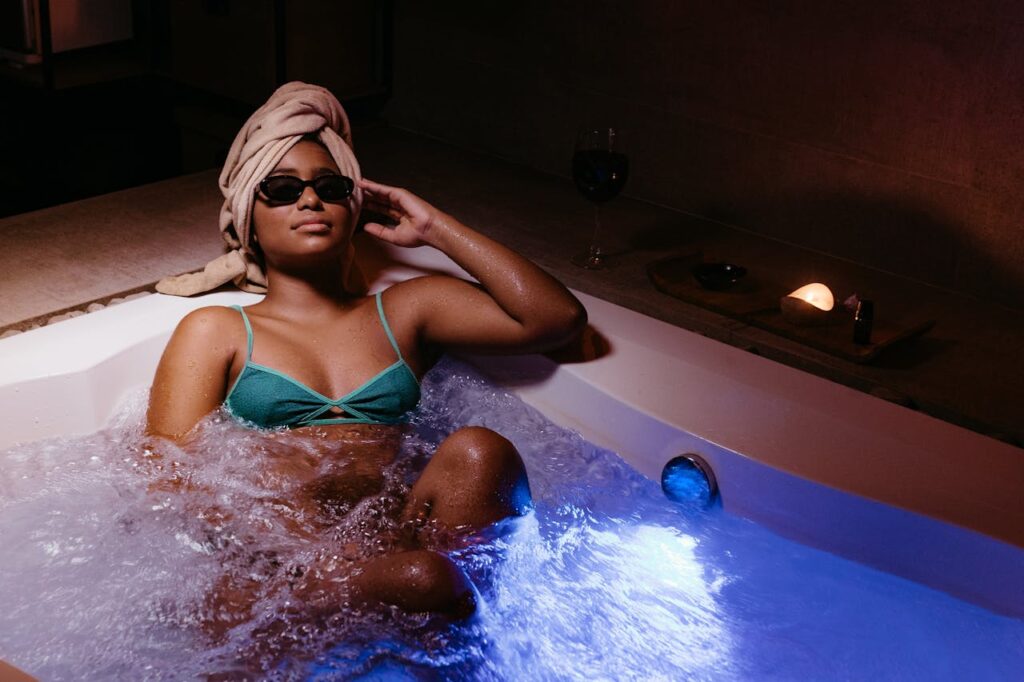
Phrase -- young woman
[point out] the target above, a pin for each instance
(315, 357)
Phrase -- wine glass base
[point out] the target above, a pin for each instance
(590, 261)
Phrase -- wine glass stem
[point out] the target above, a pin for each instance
(595, 245)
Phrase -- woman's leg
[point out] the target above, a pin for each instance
(417, 580)
(475, 478)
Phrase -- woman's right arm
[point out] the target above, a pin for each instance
(191, 380)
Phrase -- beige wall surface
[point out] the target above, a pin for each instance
(889, 134)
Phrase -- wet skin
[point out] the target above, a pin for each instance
(473, 479)
(310, 328)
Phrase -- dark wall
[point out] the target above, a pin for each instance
(170, 101)
(243, 49)
(885, 133)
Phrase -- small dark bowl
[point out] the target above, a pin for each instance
(718, 276)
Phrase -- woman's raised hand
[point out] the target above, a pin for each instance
(414, 217)
(517, 307)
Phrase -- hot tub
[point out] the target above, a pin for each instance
(810, 460)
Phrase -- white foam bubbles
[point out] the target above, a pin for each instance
(128, 559)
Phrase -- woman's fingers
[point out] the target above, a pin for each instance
(375, 186)
(377, 190)
(396, 196)
(412, 216)
(377, 230)
(383, 207)
(367, 182)
(385, 204)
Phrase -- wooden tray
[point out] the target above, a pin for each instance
(755, 301)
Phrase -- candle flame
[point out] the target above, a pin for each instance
(816, 294)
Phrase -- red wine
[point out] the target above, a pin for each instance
(599, 174)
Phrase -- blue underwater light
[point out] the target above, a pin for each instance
(689, 480)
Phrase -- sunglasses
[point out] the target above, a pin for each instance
(286, 189)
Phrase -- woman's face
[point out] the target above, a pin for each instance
(299, 231)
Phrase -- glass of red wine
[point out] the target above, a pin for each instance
(599, 171)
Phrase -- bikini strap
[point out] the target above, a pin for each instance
(387, 327)
(248, 331)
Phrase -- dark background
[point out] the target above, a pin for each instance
(889, 134)
(170, 100)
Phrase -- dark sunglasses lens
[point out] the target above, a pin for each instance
(333, 187)
(285, 188)
(282, 188)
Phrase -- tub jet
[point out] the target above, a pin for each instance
(688, 479)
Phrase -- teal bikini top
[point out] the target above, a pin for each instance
(268, 398)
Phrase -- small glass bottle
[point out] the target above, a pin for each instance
(863, 320)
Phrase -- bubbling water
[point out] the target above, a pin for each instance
(129, 559)
(136, 558)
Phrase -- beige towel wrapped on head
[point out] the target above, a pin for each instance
(295, 109)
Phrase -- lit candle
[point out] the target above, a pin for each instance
(817, 295)
(808, 305)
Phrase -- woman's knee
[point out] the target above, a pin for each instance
(480, 469)
(478, 448)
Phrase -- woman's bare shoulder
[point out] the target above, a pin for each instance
(210, 319)
(191, 379)
(424, 286)
(419, 296)
(210, 327)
